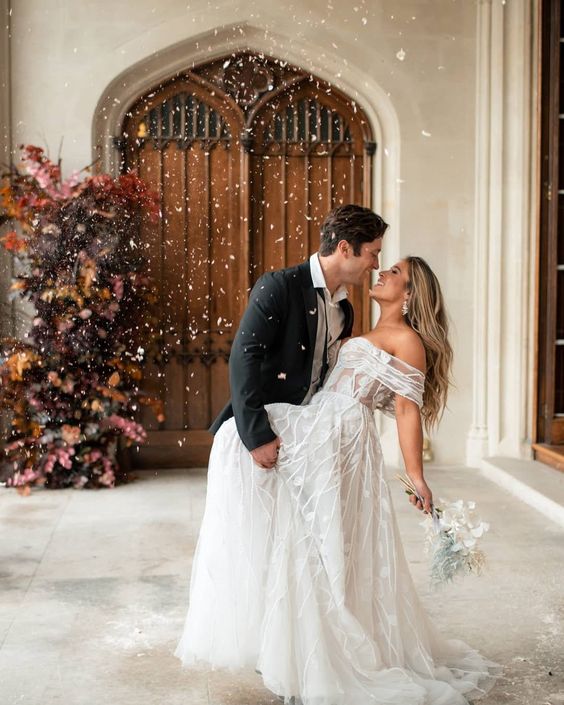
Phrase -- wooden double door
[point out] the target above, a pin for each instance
(549, 446)
(248, 155)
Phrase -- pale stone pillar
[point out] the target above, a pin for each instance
(505, 231)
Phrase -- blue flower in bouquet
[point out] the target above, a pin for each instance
(453, 540)
(452, 533)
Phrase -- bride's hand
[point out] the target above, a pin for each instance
(424, 492)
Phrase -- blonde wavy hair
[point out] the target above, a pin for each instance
(427, 316)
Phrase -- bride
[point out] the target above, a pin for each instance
(299, 571)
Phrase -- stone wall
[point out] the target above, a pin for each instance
(414, 66)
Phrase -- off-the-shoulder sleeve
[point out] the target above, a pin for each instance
(375, 377)
(401, 378)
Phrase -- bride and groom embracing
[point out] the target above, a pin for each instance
(299, 571)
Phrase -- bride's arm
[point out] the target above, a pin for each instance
(410, 433)
(410, 349)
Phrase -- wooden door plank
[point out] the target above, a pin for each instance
(552, 455)
(547, 426)
(230, 212)
(296, 226)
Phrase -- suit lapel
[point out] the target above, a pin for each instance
(349, 318)
(311, 305)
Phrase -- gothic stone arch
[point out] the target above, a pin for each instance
(248, 154)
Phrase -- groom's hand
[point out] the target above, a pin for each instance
(266, 456)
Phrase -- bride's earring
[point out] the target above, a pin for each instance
(404, 308)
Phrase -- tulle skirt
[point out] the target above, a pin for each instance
(299, 572)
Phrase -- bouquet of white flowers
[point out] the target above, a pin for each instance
(451, 536)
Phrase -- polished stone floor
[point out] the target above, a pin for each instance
(93, 590)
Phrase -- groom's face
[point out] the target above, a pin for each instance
(358, 267)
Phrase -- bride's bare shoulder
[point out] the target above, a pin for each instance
(403, 343)
(409, 348)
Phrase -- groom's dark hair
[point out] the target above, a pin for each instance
(355, 224)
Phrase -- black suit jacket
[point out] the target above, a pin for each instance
(272, 354)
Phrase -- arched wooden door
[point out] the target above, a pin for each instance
(309, 153)
(248, 155)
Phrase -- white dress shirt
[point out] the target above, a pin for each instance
(330, 317)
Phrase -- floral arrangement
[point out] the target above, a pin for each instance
(451, 537)
(73, 386)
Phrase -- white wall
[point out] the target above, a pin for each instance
(65, 54)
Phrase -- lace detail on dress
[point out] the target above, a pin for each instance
(374, 377)
(299, 572)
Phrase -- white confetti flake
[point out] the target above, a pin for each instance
(425, 133)
(400, 55)
(281, 375)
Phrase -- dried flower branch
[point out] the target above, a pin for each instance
(72, 389)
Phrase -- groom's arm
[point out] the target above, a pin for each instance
(258, 330)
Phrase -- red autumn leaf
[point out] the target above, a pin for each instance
(13, 243)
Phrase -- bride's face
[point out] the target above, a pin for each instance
(392, 284)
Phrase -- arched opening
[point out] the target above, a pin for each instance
(248, 154)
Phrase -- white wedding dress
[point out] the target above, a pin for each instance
(299, 572)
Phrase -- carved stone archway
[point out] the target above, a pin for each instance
(183, 446)
(248, 154)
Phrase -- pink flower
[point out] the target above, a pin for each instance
(129, 428)
(68, 385)
(23, 478)
(54, 378)
(64, 326)
(61, 456)
(108, 477)
(110, 312)
(69, 184)
(15, 444)
(48, 175)
(70, 434)
(64, 457)
(50, 463)
(117, 287)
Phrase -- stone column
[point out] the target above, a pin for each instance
(505, 233)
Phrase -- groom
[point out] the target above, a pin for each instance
(285, 343)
